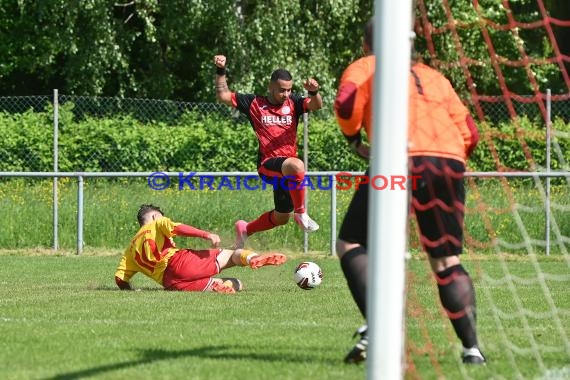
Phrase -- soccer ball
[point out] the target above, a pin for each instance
(308, 275)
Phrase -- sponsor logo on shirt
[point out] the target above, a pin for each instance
(276, 120)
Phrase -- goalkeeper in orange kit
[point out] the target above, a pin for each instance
(441, 137)
(153, 253)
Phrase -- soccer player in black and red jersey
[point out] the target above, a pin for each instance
(274, 119)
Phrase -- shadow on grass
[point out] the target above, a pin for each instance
(208, 352)
(114, 288)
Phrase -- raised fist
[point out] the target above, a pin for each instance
(220, 61)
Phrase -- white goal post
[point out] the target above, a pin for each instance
(388, 209)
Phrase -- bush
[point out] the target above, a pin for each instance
(217, 143)
(518, 145)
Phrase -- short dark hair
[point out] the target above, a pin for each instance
(281, 74)
(146, 209)
(369, 33)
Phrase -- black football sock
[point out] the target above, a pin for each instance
(354, 264)
(457, 296)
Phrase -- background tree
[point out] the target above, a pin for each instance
(71, 45)
(560, 9)
(164, 49)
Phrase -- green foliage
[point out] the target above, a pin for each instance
(212, 142)
(519, 145)
(196, 143)
(76, 46)
(152, 49)
(310, 38)
(471, 51)
(328, 149)
(27, 142)
(164, 50)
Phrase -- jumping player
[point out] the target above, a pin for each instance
(274, 119)
(153, 253)
(441, 137)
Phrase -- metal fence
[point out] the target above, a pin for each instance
(110, 157)
(146, 110)
(170, 112)
(333, 191)
(496, 109)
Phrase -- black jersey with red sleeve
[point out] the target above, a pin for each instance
(275, 125)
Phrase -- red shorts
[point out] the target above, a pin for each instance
(191, 270)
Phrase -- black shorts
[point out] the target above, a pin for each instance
(271, 172)
(354, 228)
(439, 204)
(438, 201)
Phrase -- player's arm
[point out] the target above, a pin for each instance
(223, 93)
(349, 112)
(315, 99)
(123, 285)
(473, 136)
(464, 121)
(169, 228)
(357, 146)
(189, 231)
(123, 276)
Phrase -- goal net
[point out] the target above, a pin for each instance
(510, 63)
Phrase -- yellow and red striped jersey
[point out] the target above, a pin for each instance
(149, 251)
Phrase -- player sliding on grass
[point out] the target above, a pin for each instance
(441, 137)
(274, 119)
(153, 253)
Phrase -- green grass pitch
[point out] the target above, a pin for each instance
(61, 317)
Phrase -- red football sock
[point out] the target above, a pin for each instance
(263, 223)
(297, 194)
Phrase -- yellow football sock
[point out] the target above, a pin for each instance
(245, 256)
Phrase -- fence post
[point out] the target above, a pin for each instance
(306, 162)
(333, 215)
(55, 168)
(548, 138)
(79, 214)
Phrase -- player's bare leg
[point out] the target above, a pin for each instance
(280, 218)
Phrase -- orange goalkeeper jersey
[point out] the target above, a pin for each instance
(439, 124)
(149, 251)
(353, 103)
